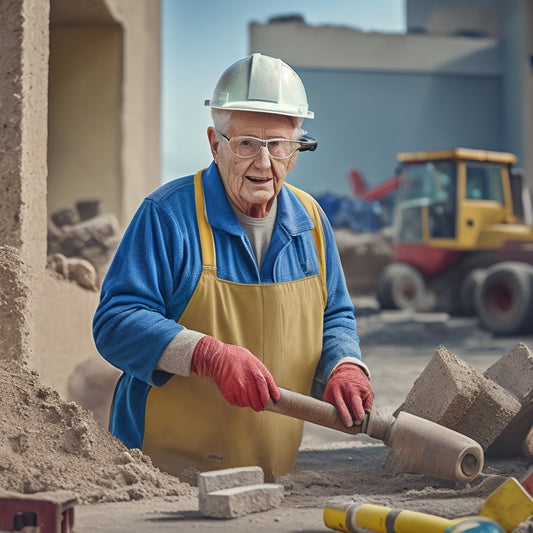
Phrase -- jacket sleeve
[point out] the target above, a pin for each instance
(131, 326)
(340, 339)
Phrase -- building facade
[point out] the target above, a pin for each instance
(462, 75)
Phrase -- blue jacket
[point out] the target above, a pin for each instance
(157, 266)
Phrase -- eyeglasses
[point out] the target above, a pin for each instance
(245, 147)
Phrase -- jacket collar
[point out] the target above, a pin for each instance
(291, 215)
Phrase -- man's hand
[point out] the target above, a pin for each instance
(349, 390)
(240, 376)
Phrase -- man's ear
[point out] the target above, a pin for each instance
(213, 142)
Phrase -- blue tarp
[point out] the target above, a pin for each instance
(355, 214)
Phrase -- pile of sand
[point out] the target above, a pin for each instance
(49, 444)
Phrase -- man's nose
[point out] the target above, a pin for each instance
(262, 160)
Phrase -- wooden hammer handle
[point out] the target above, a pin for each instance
(312, 410)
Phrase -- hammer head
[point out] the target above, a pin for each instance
(421, 446)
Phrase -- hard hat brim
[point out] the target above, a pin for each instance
(262, 107)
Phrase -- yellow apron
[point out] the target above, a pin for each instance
(187, 420)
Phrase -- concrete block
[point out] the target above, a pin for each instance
(454, 394)
(514, 372)
(489, 415)
(240, 501)
(227, 478)
(444, 390)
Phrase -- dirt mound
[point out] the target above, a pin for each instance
(49, 444)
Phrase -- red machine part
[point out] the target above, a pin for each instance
(379, 192)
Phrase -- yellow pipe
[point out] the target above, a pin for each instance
(377, 518)
(381, 519)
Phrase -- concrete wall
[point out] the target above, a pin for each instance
(92, 132)
(387, 114)
(84, 128)
(104, 102)
(512, 24)
(23, 124)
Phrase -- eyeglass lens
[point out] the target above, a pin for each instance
(250, 146)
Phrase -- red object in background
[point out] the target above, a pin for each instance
(50, 512)
(379, 192)
(427, 259)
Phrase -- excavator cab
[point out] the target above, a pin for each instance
(450, 201)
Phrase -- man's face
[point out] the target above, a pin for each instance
(253, 183)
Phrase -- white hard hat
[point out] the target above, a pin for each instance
(261, 83)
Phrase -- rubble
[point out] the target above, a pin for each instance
(494, 408)
(82, 242)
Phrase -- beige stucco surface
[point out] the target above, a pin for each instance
(79, 108)
(84, 127)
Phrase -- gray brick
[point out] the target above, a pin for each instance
(227, 478)
(240, 501)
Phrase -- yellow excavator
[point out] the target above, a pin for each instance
(462, 239)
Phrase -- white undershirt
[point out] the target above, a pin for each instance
(259, 231)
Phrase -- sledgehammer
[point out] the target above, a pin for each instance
(422, 446)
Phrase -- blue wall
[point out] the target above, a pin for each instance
(363, 119)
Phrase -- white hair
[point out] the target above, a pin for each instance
(222, 117)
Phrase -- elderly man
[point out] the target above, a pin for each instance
(226, 285)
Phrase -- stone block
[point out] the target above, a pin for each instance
(216, 480)
(514, 372)
(444, 390)
(454, 394)
(489, 415)
(240, 501)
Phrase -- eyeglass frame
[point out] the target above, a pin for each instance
(307, 144)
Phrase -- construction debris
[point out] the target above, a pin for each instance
(234, 492)
(81, 242)
(495, 408)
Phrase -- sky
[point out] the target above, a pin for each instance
(201, 38)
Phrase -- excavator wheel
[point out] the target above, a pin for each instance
(504, 299)
(401, 286)
(467, 291)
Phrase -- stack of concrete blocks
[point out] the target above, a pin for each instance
(495, 408)
(235, 492)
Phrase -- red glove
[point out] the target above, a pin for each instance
(349, 390)
(240, 376)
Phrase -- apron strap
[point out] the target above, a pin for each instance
(206, 233)
(311, 206)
